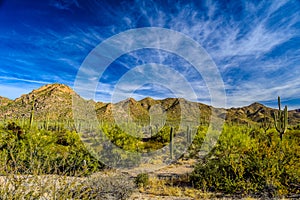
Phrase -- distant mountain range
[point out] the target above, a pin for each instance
(54, 101)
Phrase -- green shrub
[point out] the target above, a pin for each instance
(243, 164)
(44, 152)
(142, 180)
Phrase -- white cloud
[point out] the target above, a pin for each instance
(23, 80)
(238, 46)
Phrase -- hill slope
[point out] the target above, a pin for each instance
(54, 101)
(4, 101)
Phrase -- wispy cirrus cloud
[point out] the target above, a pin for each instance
(256, 49)
(255, 45)
(23, 80)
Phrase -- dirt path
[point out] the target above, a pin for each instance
(181, 168)
(178, 169)
(175, 171)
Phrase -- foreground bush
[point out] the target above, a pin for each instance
(32, 151)
(142, 180)
(251, 162)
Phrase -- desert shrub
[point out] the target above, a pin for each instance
(121, 138)
(163, 136)
(248, 164)
(42, 151)
(142, 180)
(114, 186)
(134, 142)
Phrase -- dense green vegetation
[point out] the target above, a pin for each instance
(39, 151)
(246, 159)
(249, 161)
(257, 153)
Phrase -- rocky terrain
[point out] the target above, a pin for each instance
(54, 101)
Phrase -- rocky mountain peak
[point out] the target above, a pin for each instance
(56, 102)
(56, 87)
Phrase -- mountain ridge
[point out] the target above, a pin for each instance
(54, 101)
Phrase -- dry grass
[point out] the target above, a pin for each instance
(98, 186)
(163, 188)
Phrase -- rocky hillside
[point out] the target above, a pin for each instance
(4, 101)
(255, 112)
(54, 101)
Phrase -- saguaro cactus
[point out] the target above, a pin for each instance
(171, 142)
(151, 131)
(281, 119)
(46, 122)
(188, 135)
(32, 113)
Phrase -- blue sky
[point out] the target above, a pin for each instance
(254, 44)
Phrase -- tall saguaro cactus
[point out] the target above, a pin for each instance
(281, 119)
(32, 113)
(171, 142)
(188, 135)
(46, 122)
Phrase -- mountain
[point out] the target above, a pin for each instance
(148, 102)
(255, 112)
(294, 116)
(4, 101)
(123, 111)
(54, 102)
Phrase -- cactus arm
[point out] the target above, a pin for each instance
(275, 116)
(279, 103)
